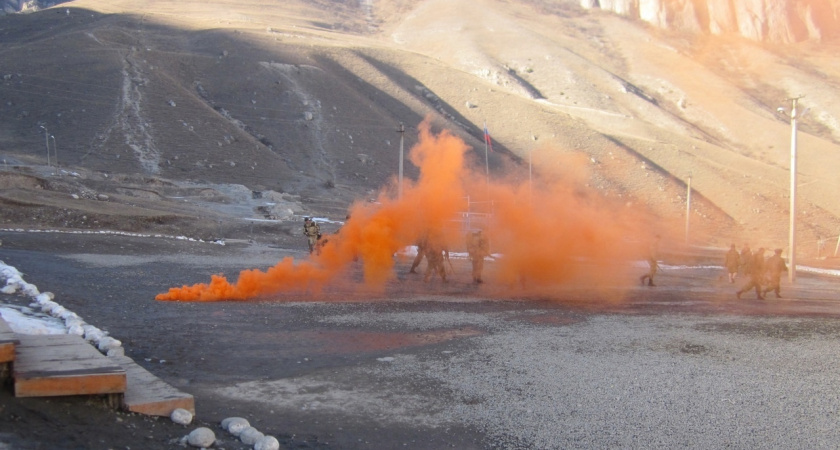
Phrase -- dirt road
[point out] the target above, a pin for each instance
(432, 365)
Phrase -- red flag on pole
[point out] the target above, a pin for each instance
(487, 137)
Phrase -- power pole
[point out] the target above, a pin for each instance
(792, 236)
(401, 131)
(687, 208)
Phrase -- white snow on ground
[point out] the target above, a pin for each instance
(114, 233)
(52, 317)
(27, 321)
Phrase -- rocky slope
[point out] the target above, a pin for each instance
(778, 21)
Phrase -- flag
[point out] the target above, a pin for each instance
(487, 137)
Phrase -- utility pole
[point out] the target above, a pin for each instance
(794, 114)
(401, 131)
(687, 208)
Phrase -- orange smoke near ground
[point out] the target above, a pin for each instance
(546, 235)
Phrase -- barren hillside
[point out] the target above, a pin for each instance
(301, 100)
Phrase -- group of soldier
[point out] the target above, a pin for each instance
(431, 246)
(765, 274)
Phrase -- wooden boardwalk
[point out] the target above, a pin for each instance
(64, 364)
(148, 394)
(8, 341)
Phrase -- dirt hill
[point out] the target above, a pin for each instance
(192, 116)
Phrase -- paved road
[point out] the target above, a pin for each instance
(428, 366)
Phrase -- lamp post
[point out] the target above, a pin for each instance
(794, 114)
(401, 131)
(47, 140)
(55, 150)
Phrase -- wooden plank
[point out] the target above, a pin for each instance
(148, 394)
(8, 341)
(63, 364)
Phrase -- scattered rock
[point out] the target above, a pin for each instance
(201, 437)
(235, 425)
(181, 416)
(250, 436)
(267, 443)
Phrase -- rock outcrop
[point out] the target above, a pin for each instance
(776, 21)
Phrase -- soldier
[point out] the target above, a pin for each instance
(653, 254)
(775, 267)
(478, 248)
(312, 232)
(434, 252)
(756, 275)
(731, 262)
(746, 260)
(421, 251)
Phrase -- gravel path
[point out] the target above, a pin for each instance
(433, 366)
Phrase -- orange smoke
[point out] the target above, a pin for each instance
(543, 236)
(373, 234)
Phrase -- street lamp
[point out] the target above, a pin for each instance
(794, 114)
(47, 140)
(401, 131)
(55, 150)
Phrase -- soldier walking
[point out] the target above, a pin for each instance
(731, 262)
(312, 231)
(422, 243)
(756, 271)
(746, 260)
(775, 267)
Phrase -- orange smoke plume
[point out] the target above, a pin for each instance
(373, 234)
(543, 236)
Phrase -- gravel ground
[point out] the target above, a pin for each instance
(429, 366)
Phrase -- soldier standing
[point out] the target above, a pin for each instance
(312, 231)
(756, 275)
(775, 267)
(653, 254)
(478, 248)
